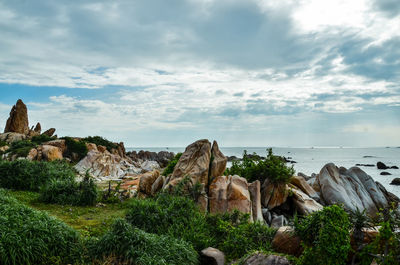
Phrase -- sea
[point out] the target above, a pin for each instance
(311, 159)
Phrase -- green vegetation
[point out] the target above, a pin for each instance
(171, 165)
(39, 139)
(129, 244)
(255, 168)
(98, 140)
(68, 191)
(31, 175)
(21, 148)
(28, 236)
(76, 149)
(2, 143)
(325, 235)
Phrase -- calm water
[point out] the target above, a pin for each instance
(311, 160)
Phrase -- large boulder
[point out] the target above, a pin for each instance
(285, 241)
(147, 180)
(11, 137)
(303, 203)
(18, 120)
(259, 258)
(353, 188)
(255, 195)
(149, 166)
(60, 143)
(273, 194)
(395, 181)
(50, 153)
(194, 163)
(50, 132)
(218, 163)
(302, 184)
(212, 256)
(229, 193)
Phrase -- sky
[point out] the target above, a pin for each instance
(161, 73)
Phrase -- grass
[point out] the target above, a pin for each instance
(89, 220)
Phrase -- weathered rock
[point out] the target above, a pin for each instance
(121, 150)
(51, 153)
(32, 155)
(149, 166)
(273, 194)
(147, 180)
(395, 181)
(162, 157)
(212, 256)
(218, 164)
(101, 148)
(194, 163)
(11, 137)
(38, 128)
(304, 204)
(285, 241)
(157, 185)
(381, 165)
(390, 197)
(255, 195)
(60, 143)
(50, 132)
(353, 188)
(278, 221)
(91, 147)
(267, 215)
(302, 184)
(259, 258)
(384, 173)
(227, 193)
(18, 120)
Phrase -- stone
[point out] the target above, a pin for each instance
(194, 163)
(212, 256)
(285, 241)
(91, 147)
(390, 197)
(149, 166)
(157, 185)
(273, 194)
(267, 215)
(121, 149)
(227, 193)
(303, 203)
(384, 173)
(18, 120)
(51, 153)
(353, 188)
(381, 165)
(395, 181)
(162, 157)
(32, 155)
(278, 221)
(38, 128)
(255, 195)
(101, 148)
(11, 137)
(60, 143)
(50, 132)
(259, 258)
(218, 163)
(302, 184)
(147, 180)
(394, 167)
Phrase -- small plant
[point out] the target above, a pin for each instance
(325, 235)
(98, 140)
(2, 143)
(171, 165)
(134, 246)
(76, 150)
(21, 148)
(39, 139)
(257, 168)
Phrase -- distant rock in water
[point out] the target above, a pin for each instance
(365, 165)
(18, 120)
(381, 165)
(395, 181)
(384, 173)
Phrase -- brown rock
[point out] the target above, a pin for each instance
(194, 162)
(60, 143)
(18, 120)
(91, 147)
(285, 241)
(32, 155)
(50, 132)
(147, 180)
(101, 148)
(157, 185)
(255, 195)
(302, 184)
(218, 197)
(304, 204)
(38, 128)
(273, 194)
(121, 150)
(51, 153)
(11, 137)
(218, 164)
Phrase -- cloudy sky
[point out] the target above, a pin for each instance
(243, 72)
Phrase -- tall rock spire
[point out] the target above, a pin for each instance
(18, 120)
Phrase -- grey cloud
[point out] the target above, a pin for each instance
(390, 7)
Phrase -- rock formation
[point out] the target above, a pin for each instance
(255, 195)
(218, 163)
(303, 203)
(50, 132)
(273, 194)
(18, 120)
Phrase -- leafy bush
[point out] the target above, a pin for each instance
(98, 140)
(68, 191)
(28, 236)
(257, 168)
(325, 235)
(31, 175)
(39, 139)
(171, 165)
(2, 143)
(134, 246)
(75, 147)
(21, 148)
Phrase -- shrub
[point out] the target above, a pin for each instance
(134, 246)
(28, 236)
(31, 175)
(21, 148)
(171, 165)
(75, 147)
(70, 192)
(98, 140)
(39, 139)
(325, 235)
(257, 168)
(2, 143)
